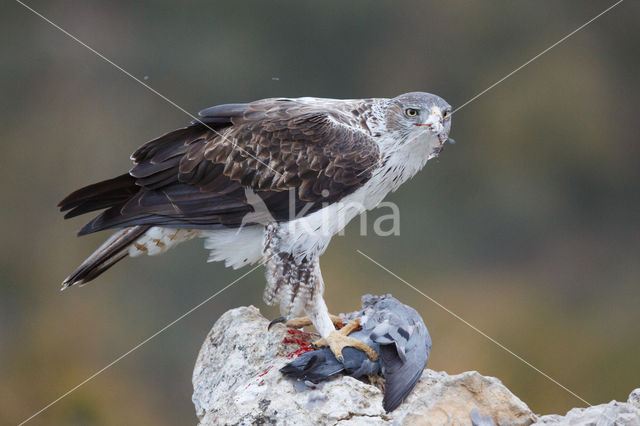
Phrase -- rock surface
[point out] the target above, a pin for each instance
(237, 381)
(614, 413)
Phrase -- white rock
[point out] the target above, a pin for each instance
(612, 414)
(237, 381)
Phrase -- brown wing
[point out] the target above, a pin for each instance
(196, 177)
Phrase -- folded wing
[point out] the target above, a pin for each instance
(196, 177)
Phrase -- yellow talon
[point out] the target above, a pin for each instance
(339, 339)
(306, 321)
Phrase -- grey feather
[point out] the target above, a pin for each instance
(394, 330)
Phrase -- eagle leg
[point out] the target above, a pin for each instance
(339, 339)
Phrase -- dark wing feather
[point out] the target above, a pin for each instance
(196, 177)
(400, 377)
(98, 196)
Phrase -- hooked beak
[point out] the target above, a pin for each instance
(435, 122)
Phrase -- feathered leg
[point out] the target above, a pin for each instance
(298, 284)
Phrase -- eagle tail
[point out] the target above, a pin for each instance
(108, 193)
(107, 255)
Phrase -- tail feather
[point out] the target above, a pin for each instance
(320, 364)
(109, 253)
(107, 193)
(315, 366)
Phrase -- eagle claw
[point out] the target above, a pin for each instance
(275, 321)
(300, 322)
(337, 340)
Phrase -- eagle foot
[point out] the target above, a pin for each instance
(300, 322)
(339, 339)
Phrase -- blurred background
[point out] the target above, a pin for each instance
(528, 227)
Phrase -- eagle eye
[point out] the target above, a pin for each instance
(411, 112)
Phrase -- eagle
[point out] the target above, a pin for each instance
(269, 181)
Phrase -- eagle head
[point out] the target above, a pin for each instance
(420, 117)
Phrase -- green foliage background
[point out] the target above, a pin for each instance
(527, 227)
